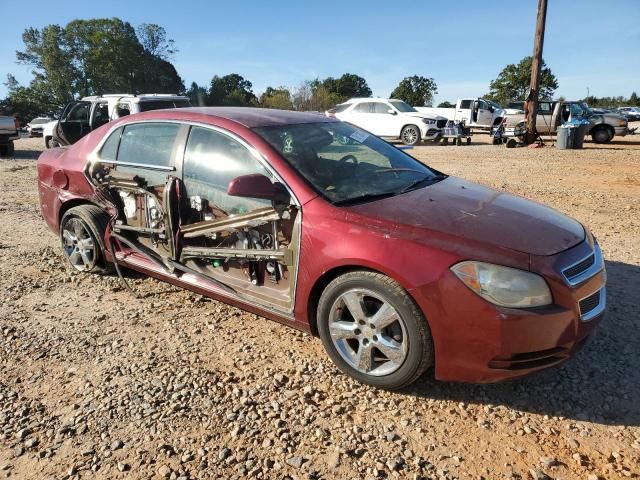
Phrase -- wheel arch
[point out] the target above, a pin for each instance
(413, 124)
(328, 276)
(74, 202)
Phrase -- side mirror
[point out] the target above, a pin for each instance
(391, 111)
(257, 185)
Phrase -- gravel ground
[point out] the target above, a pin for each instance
(96, 384)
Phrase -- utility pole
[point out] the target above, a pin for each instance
(536, 65)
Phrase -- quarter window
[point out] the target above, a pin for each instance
(109, 150)
(211, 160)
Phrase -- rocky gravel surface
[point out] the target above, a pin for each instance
(97, 384)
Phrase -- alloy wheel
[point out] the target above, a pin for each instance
(409, 135)
(78, 244)
(368, 332)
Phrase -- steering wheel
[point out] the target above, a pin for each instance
(347, 158)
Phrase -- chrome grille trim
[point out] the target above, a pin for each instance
(598, 309)
(593, 269)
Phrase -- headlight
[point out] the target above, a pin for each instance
(504, 286)
(428, 121)
(623, 123)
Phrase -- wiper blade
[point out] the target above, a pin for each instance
(367, 197)
(417, 183)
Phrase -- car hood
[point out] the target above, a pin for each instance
(470, 211)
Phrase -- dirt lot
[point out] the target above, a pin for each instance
(95, 384)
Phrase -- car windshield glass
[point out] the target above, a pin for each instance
(494, 104)
(346, 164)
(402, 106)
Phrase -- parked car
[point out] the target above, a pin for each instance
(552, 114)
(36, 126)
(8, 133)
(390, 118)
(632, 113)
(398, 267)
(80, 117)
(476, 113)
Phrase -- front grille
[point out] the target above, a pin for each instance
(580, 267)
(590, 303)
(585, 268)
(441, 123)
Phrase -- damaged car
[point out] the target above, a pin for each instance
(397, 267)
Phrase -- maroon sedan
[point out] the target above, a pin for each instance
(322, 226)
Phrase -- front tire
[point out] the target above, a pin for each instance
(373, 330)
(82, 232)
(410, 135)
(601, 135)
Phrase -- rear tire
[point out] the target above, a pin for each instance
(373, 330)
(601, 135)
(410, 135)
(82, 232)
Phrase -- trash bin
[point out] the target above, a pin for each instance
(565, 137)
(580, 132)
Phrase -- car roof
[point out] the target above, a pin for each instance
(256, 117)
(141, 96)
(370, 99)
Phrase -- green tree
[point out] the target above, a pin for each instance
(96, 56)
(231, 90)
(416, 90)
(634, 101)
(349, 85)
(276, 98)
(446, 105)
(514, 80)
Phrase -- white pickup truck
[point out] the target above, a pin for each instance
(80, 117)
(477, 113)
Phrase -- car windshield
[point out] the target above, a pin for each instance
(493, 104)
(345, 164)
(402, 106)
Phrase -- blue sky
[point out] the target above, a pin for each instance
(463, 45)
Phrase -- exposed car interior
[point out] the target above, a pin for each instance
(193, 222)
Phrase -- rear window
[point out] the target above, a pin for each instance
(149, 105)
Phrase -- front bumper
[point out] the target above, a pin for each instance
(430, 132)
(623, 131)
(478, 342)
